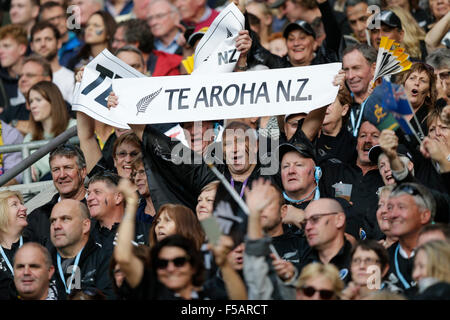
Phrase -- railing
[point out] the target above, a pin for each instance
(44, 146)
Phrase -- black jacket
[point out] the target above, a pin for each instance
(38, 228)
(93, 265)
(9, 88)
(167, 181)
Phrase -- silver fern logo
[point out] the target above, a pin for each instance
(142, 104)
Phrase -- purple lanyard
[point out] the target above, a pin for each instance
(244, 184)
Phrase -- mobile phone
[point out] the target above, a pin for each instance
(212, 229)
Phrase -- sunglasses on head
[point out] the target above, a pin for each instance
(409, 189)
(178, 262)
(324, 294)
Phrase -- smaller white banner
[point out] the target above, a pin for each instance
(91, 95)
(216, 50)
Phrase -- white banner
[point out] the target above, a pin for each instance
(224, 95)
(216, 50)
(91, 95)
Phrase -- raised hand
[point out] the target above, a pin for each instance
(112, 100)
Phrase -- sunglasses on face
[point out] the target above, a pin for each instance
(177, 262)
(324, 294)
(123, 154)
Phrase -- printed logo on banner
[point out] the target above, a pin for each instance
(142, 104)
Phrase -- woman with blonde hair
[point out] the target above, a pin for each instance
(260, 19)
(13, 220)
(431, 264)
(414, 36)
(319, 281)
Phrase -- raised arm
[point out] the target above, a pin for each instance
(234, 284)
(130, 265)
(314, 120)
(434, 36)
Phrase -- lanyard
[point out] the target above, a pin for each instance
(244, 184)
(316, 196)
(61, 273)
(6, 258)
(355, 127)
(397, 269)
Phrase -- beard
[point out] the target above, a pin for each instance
(51, 55)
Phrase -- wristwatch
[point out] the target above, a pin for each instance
(242, 68)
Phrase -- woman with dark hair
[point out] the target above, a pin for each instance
(369, 265)
(176, 264)
(98, 35)
(420, 88)
(176, 219)
(48, 118)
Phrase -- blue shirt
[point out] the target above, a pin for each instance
(171, 48)
(69, 49)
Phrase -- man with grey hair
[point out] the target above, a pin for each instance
(359, 63)
(68, 169)
(33, 271)
(163, 19)
(440, 61)
(410, 207)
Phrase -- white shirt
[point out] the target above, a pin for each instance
(65, 80)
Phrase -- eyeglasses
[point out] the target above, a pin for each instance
(444, 75)
(316, 218)
(158, 16)
(178, 262)
(324, 294)
(123, 154)
(366, 261)
(138, 172)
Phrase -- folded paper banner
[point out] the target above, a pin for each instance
(391, 59)
(200, 97)
(91, 95)
(216, 50)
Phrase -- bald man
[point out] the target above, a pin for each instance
(79, 261)
(33, 271)
(324, 227)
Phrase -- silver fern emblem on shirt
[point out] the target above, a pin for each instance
(142, 104)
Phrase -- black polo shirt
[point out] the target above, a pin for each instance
(342, 260)
(342, 147)
(291, 247)
(106, 237)
(364, 187)
(399, 277)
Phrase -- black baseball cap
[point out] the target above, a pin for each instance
(299, 24)
(375, 152)
(390, 19)
(304, 149)
(198, 34)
